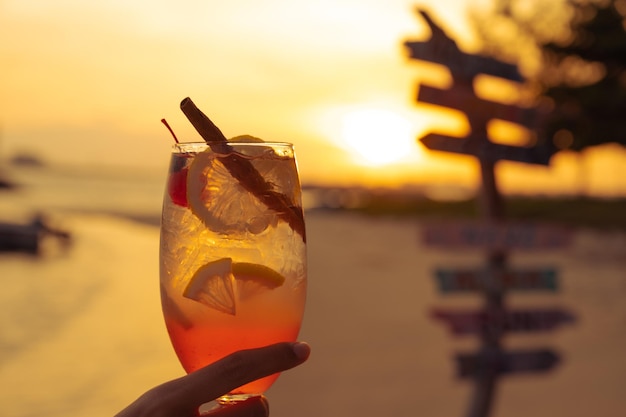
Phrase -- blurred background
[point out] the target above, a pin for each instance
(82, 151)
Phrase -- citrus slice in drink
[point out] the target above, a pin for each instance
(254, 278)
(245, 138)
(221, 202)
(212, 285)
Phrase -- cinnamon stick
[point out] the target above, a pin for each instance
(243, 170)
(205, 127)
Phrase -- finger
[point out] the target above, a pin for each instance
(245, 366)
(230, 372)
(252, 407)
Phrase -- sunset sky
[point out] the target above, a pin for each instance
(87, 83)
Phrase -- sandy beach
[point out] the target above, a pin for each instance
(82, 332)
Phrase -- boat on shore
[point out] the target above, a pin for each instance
(28, 237)
(5, 182)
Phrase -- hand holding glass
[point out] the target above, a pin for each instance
(233, 252)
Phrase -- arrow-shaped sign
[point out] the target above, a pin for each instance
(540, 360)
(518, 279)
(464, 322)
(441, 49)
(462, 97)
(497, 236)
(480, 146)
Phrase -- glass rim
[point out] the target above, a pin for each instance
(193, 146)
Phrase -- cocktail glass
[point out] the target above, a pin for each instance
(232, 252)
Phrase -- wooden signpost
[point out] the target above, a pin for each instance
(462, 97)
(463, 322)
(472, 365)
(492, 234)
(466, 280)
(482, 148)
(442, 49)
(495, 235)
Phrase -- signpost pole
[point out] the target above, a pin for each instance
(492, 210)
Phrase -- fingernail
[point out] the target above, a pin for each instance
(252, 407)
(301, 350)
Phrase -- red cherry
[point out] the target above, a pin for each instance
(177, 187)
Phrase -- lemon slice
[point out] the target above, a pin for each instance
(254, 278)
(221, 202)
(212, 285)
(245, 138)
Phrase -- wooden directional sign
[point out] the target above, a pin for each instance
(540, 360)
(480, 146)
(441, 49)
(499, 236)
(518, 279)
(465, 322)
(462, 97)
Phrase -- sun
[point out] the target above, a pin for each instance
(378, 136)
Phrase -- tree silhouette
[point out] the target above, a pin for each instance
(574, 54)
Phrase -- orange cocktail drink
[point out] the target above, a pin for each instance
(233, 252)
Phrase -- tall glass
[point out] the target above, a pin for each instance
(232, 253)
